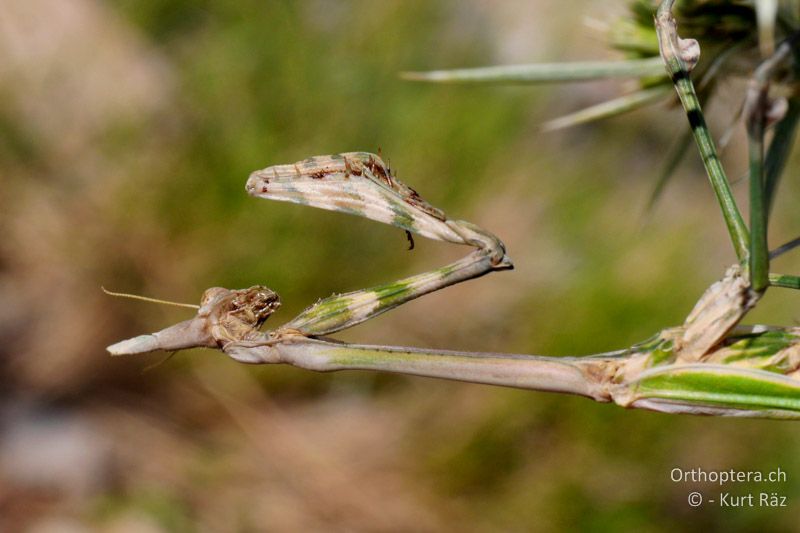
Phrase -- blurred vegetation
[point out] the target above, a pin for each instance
(125, 142)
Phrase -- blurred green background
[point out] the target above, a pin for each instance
(127, 131)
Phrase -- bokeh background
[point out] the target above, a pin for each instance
(127, 131)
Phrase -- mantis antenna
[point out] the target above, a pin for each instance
(146, 299)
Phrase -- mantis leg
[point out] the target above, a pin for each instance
(362, 184)
(342, 311)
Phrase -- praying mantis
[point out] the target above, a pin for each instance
(711, 364)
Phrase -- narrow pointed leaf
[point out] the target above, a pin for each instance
(545, 72)
(611, 108)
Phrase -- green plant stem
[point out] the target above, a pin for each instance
(671, 52)
(759, 251)
(758, 105)
(784, 280)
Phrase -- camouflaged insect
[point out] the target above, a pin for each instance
(709, 365)
(753, 370)
(360, 183)
(357, 183)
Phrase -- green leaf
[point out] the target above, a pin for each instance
(719, 389)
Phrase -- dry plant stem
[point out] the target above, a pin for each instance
(181, 336)
(718, 311)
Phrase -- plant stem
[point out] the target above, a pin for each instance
(785, 281)
(673, 51)
(759, 251)
(758, 106)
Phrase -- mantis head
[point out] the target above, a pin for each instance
(236, 315)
